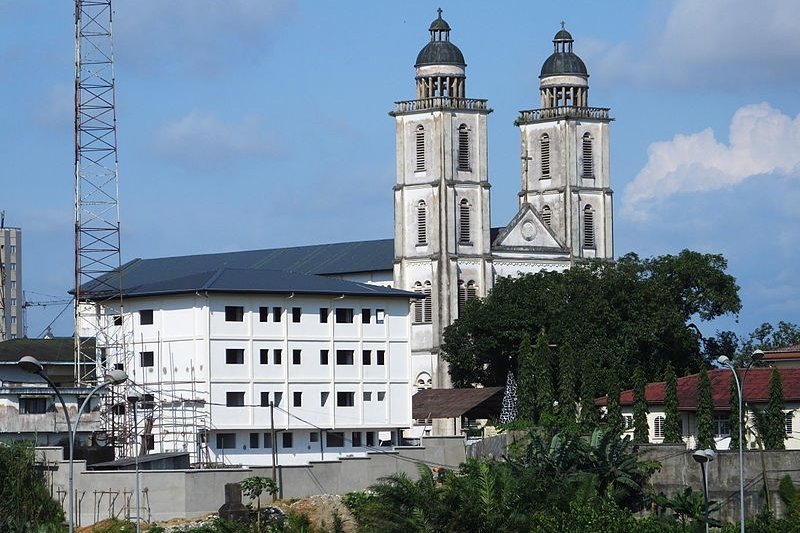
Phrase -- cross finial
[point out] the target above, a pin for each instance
(562, 24)
(440, 12)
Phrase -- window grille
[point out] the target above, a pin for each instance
(588, 167)
(422, 223)
(418, 304)
(463, 215)
(544, 143)
(463, 147)
(427, 308)
(547, 215)
(420, 146)
(658, 427)
(588, 227)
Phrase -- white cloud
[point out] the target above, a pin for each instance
(201, 139)
(762, 140)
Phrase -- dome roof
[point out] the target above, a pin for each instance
(564, 63)
(440, 53)
(563, 35)
(439, 24)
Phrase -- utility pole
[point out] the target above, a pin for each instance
(273, 436)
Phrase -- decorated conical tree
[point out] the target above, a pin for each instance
(508, 412)
(672, 418)
(641, 429)
(705, 411)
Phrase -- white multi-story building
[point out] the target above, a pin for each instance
(227, 355)
(11, 295)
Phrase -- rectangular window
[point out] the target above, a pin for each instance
(366, 357)
(366, 316)
(381, 396)
(722, 426)
(117, 320)
(335, 439)
(278, 399)
(313, 436)
(12, 266)
(286, 436)
(297, 399)
(323, 357)
(380, 316)
(345, 399)
(267, 440)
(355, 439)
(33, 406)
(265, 399)
(276, 356)
(150, 442)
(226, 441)
(146, 358)
(13, 320)
(370, 438)
(323, 315)
(263, 356)
(787, 422)
(13, 248)
(296, 356)
(234, 313)
(344, 315)
(323, 398)
(234, 356)
(14, 303)
(381, 358)
(263, 314)
(367, 396)
(297, 312)
(276, 314)
(344, 357)
(119, 366)
(234, 399)
(658, 427)
(13, 284)
(253, 440)
(146, 317)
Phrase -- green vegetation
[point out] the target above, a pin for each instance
(705, 412)
(641, 429)
(672, 418)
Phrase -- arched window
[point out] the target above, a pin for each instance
(463, 222)
(588, 227)
(588, 165)
(422, 223)
(462, 296)
(427, 310)
(547, 214)
(658, 427)
(544, 145)
(418, 304)
(472, 290)
(420, 145)
(423, 381)
(463, 147)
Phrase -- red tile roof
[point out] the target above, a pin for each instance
(756, 388)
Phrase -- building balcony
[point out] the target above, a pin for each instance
(439, 102)
(538, 115)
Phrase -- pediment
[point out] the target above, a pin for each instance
(528, 230)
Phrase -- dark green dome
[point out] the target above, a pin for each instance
(440, 51)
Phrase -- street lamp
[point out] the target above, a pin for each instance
(114, 377)
(725, 361)
(703, 457)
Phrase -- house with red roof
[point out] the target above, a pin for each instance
(786, 357)
(756, 394)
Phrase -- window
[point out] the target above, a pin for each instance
(588, 227)
(119, 366)
(426, 308)
(367, 396)
(381, 396)
(14, 303)
(344, 357)
(296, 355)
(344, 315)
(323, 398)
(297, 312)
(117, 320)
(658, 427)
(463, 222)
(287, 439)
(263, 356)
(366, 357)
(145, 317)
(265, 399)
(263, 314)
(420, 149)
(297, 399)
(418, 304)
(278, 399)
(355, 438)
(381, 357)
(13, 284)
(345, 399)
(422, 223)
(463, 147)
(370, 438)
(544, 150)
(234, 356)
(787, 422)
(12, 266)
(366, 316)
(254, 440)
(276, 314)
(150, 442)
(323, 357)
(588, 168)
(323, 315)
(146, 358)
(313, 436)
(226, 441)
(33, 406)
(462, 296)
(335, 439)
(234, 399)
(234, 313)
(628, 421)
(13, 320)
(380, 316)
(267, 440)
(13, 248)
(547, 215)
(148, 401)
(722, 426)
(276, 356)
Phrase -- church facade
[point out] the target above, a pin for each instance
(444, 244)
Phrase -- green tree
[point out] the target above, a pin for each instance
(567, 385)
(544, 391)
(634, 307)
(736, 417)
(589, 415)
(614, 422)
(774, 435)
(25, 501)
(672, 417)
(253, 487)
(641, 429)
(526, 387)
(705, 411)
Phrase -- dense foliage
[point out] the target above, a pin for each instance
(611, 316)
(641, 429)
(769, 421)
(705, 412)
(672, 418)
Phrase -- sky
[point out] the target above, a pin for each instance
(247, 124)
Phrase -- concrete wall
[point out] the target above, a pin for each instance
(190, 493)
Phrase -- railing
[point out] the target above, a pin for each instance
(536, 115)
(440, 102)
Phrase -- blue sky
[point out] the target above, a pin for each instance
(250, 124)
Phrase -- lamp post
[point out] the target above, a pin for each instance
(703, 457)
(114, 377)
(725, 361)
